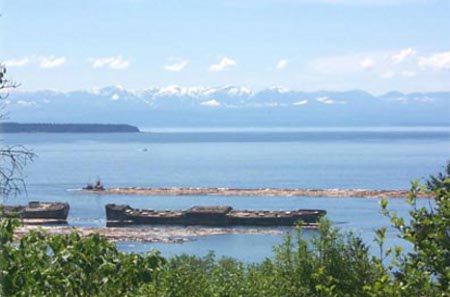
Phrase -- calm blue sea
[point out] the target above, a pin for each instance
(349, 157)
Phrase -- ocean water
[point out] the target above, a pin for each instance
(363, 157)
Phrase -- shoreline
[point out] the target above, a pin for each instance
(331, 193)
(169, 234)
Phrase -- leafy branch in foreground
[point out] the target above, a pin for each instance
(440, 181)
(425, 271)
(330, 264)
(71, 265)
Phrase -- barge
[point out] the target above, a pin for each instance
(216, 216)
(39, 212)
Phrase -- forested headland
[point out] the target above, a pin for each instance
(66, 128)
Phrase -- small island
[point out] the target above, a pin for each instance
(11, 127)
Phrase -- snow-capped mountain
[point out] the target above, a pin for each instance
(229, 105)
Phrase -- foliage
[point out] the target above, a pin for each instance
(333, 263)
(426, 270)
(71, 265)
(440, 180)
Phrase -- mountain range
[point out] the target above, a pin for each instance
(228, 106)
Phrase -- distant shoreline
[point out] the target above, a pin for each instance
(11, 127)
(336, 193)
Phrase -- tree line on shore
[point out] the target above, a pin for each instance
(9, 127)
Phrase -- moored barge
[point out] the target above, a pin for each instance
(218, 216)
(39, 212)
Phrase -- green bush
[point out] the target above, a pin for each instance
(333, 263)
(71, 265)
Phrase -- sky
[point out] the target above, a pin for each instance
(372, 45)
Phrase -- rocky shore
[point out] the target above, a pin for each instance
(155, 234)
(258, 192)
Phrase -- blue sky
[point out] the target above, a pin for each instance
(374, 45)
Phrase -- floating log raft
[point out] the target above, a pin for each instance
(161, 234)
(39, 212)
(219, 216)
(257, 192)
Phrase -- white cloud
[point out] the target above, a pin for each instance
(176, 65)
(367, 63)
(388, 74)
(301, 102)
(282, 64)
(403, 54)
(389, 64)
(17, 62)
(51, 62)
(115, 97)
(116, 63)
(211, 103)
(439, 61)
(224, 64)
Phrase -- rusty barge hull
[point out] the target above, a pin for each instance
(39, 212)
(215, 216)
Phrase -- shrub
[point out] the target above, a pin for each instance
(70, 265)
(333, 263)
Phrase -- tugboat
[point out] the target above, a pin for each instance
(39, 212)
(98, 186)
(219, 216)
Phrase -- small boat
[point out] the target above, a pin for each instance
(39, 212)
(219, 216)
(98, 186)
